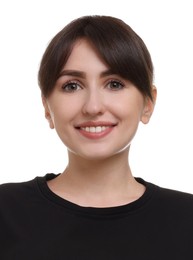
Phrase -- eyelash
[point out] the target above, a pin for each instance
(121, 85)
(70, 83)
(109, 84)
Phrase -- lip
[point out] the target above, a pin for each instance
(107, 129)
(95, 124)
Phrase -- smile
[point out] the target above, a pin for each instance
(93, 129)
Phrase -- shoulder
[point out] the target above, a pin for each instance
(14, 193)
(175, 195)
(171, 200)
(22, 191)
(10, 188)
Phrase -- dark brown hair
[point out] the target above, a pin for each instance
(119, 46)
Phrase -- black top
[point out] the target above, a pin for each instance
(36, 224)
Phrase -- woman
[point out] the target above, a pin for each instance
(96, 80)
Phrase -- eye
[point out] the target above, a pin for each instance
(115, 85)
(71, 86)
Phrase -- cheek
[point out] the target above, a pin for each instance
(127, 108)
(64, 111)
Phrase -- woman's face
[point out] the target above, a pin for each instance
(95, 113)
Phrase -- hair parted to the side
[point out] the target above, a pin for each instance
(119, 46)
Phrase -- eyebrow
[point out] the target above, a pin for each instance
(81, 74)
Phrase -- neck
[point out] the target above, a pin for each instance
(102, 170)
(98, 182)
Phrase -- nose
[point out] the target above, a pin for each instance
(94, 103)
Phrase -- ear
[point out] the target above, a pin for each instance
(149, 106)
(47, 112)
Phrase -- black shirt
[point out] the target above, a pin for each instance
(36, 224)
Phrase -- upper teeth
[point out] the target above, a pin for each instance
(94, 129)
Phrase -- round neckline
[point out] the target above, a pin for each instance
(95, 211)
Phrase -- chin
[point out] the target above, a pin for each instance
(96, 155)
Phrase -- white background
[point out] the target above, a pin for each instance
(162, 150)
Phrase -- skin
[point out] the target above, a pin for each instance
(87, 94)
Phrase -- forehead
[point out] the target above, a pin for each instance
(85, 55)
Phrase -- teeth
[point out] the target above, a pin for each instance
(93, 129)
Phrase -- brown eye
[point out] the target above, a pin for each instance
(115, 85)
(71, 87)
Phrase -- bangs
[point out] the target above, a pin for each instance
(118, 45)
